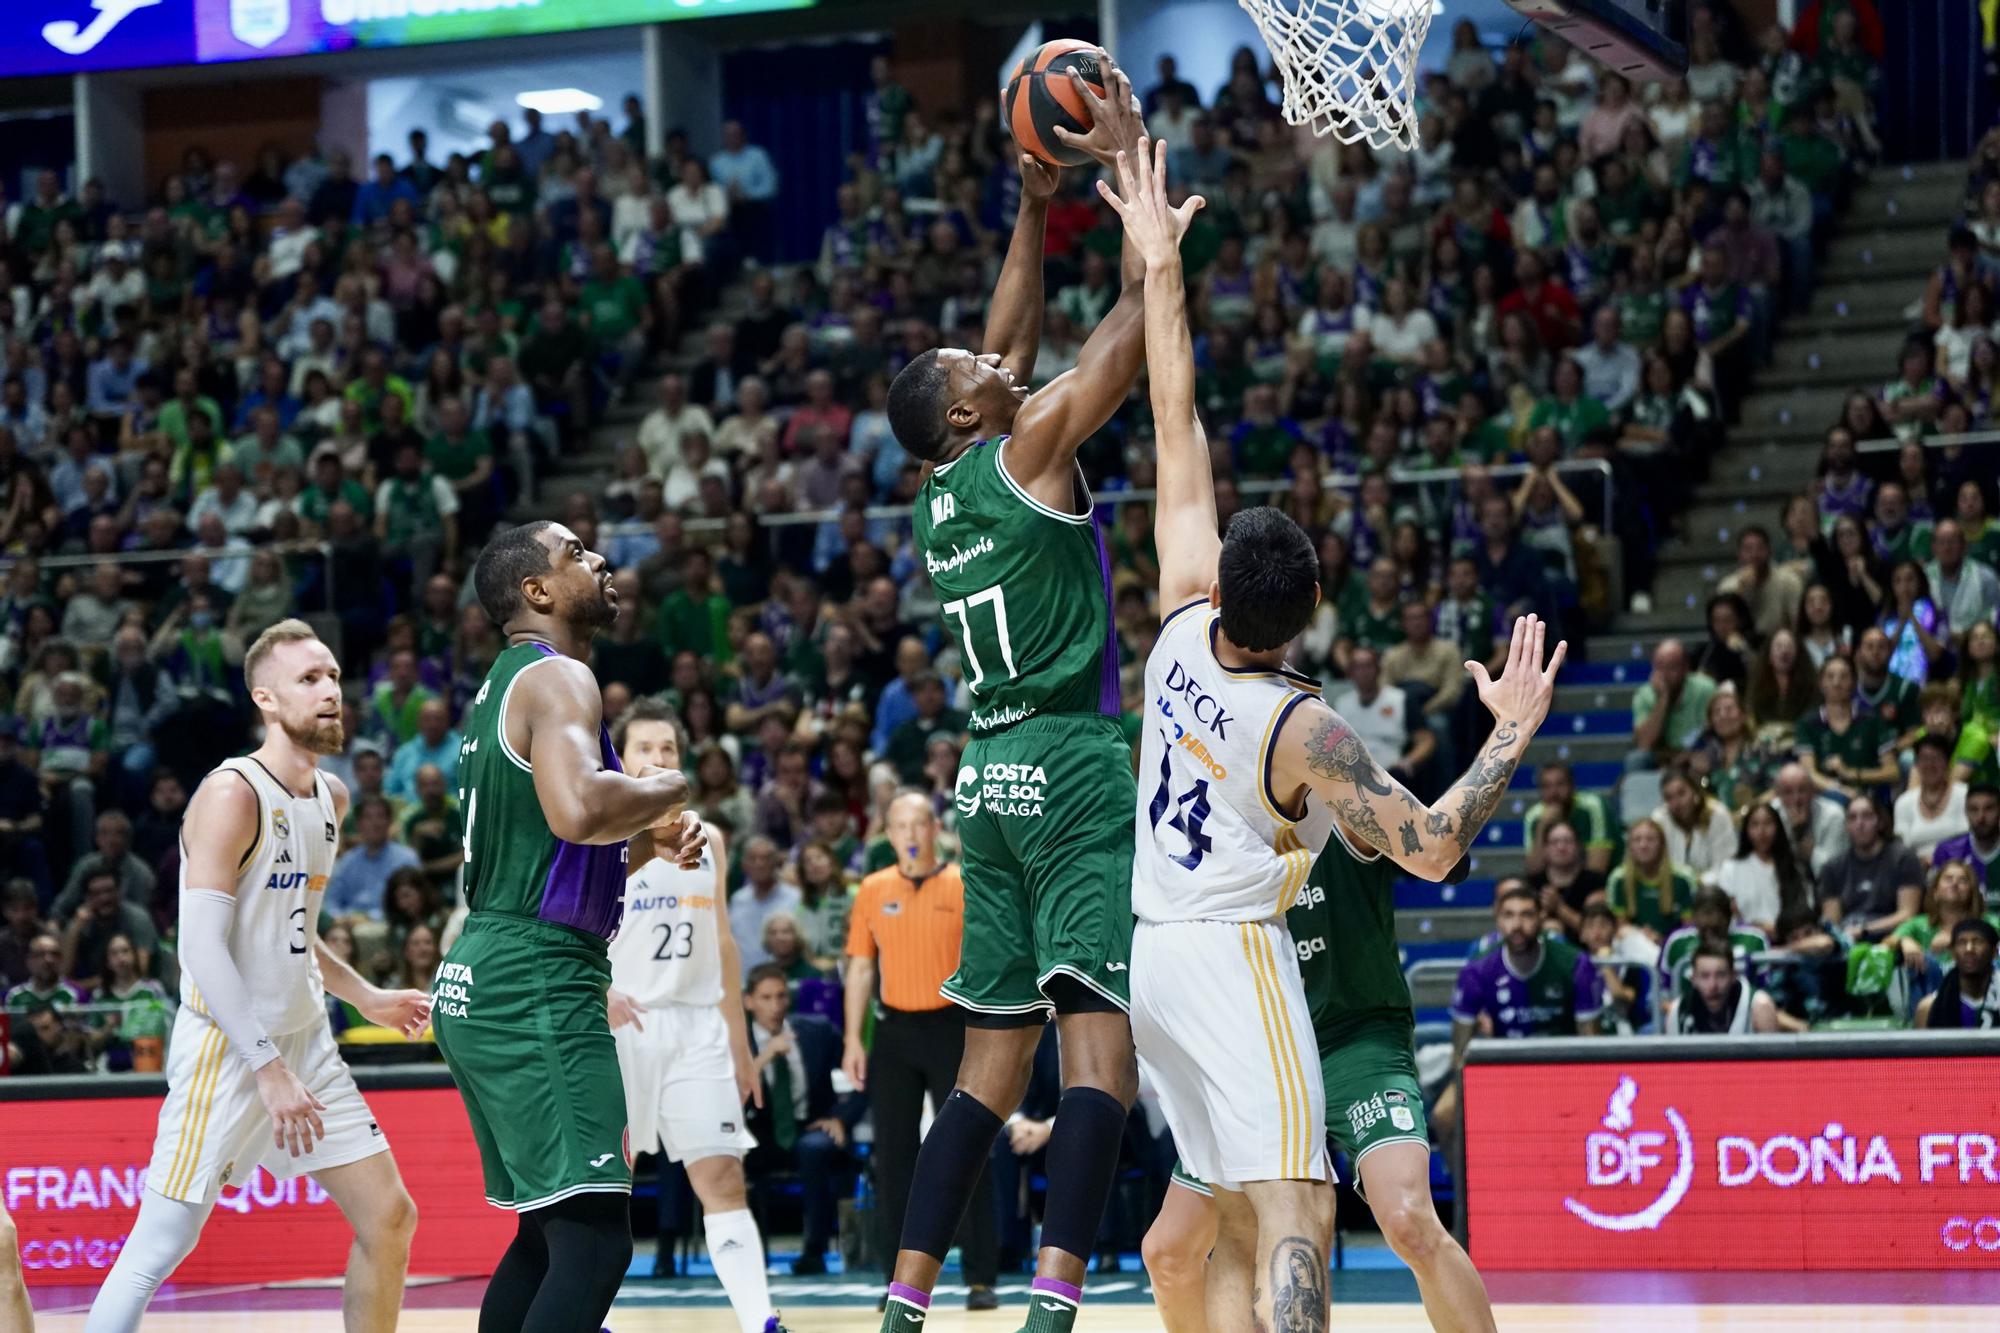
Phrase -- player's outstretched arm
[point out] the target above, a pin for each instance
(1317, 750)
(1014, 319)
(1057, 419)
(583, 801)
(1184, 524)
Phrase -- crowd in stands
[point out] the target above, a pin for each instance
(307, 391)
(1827, 753)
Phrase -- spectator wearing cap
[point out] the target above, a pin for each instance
(1877, 884)
(1979, 846)
(1968, 997)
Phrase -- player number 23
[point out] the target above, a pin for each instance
(962, 608)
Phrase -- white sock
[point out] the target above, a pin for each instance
(737, 1252)
(163, 1235)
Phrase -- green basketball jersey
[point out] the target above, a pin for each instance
(1344, 926)
(1025, 592)
(514, 863)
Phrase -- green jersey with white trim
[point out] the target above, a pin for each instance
(1025, 591)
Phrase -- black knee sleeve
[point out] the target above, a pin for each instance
(948, 1167)
(1082, 1164)
(589, 1240)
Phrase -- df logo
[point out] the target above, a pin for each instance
(966, 792)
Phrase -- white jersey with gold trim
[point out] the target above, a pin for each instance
(278, 893)
(1212, 843)
(667, 950)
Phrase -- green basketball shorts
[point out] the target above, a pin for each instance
(1045, 812)
(1372, 1094)
(1372, 1097)
(518, 1009)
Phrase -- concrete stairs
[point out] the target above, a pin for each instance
(1873, 271)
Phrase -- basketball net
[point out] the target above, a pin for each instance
(1349, 66)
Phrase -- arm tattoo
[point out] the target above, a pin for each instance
(1298, 1287)
(1438, 824)
(1360, 816)
(1479, 791)
(1411, 843)
(1334, 751)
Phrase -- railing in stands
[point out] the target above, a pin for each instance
(1114, 499)
(1890, 443)
(323, 550)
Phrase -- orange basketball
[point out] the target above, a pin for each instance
(1040, 98)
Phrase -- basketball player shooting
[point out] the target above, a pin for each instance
(1045, 791)
(253, 1076)
(1227, 842)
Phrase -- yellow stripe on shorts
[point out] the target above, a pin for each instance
(1289, 1047)
(1270, 1045)
(194, 1116)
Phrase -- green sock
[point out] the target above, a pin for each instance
(905, 1310)
(1052, 1306)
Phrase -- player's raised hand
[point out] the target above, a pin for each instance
(1526, 688)
(1115, 121)
(295, 1122)
(1038, 178)
(404, 1011)
(1151, 223)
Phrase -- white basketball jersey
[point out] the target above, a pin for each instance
(278, 893)
(1212, 844)
(666, 950)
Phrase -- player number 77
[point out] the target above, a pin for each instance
(961, 608)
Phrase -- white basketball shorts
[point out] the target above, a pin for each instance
(214, 1130)
(1220, 1020)
(680, 1087)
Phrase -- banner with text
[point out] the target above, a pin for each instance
(74, 36)
(1746, 1164)
(72, 1173)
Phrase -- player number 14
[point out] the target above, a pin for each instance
(962, 608)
